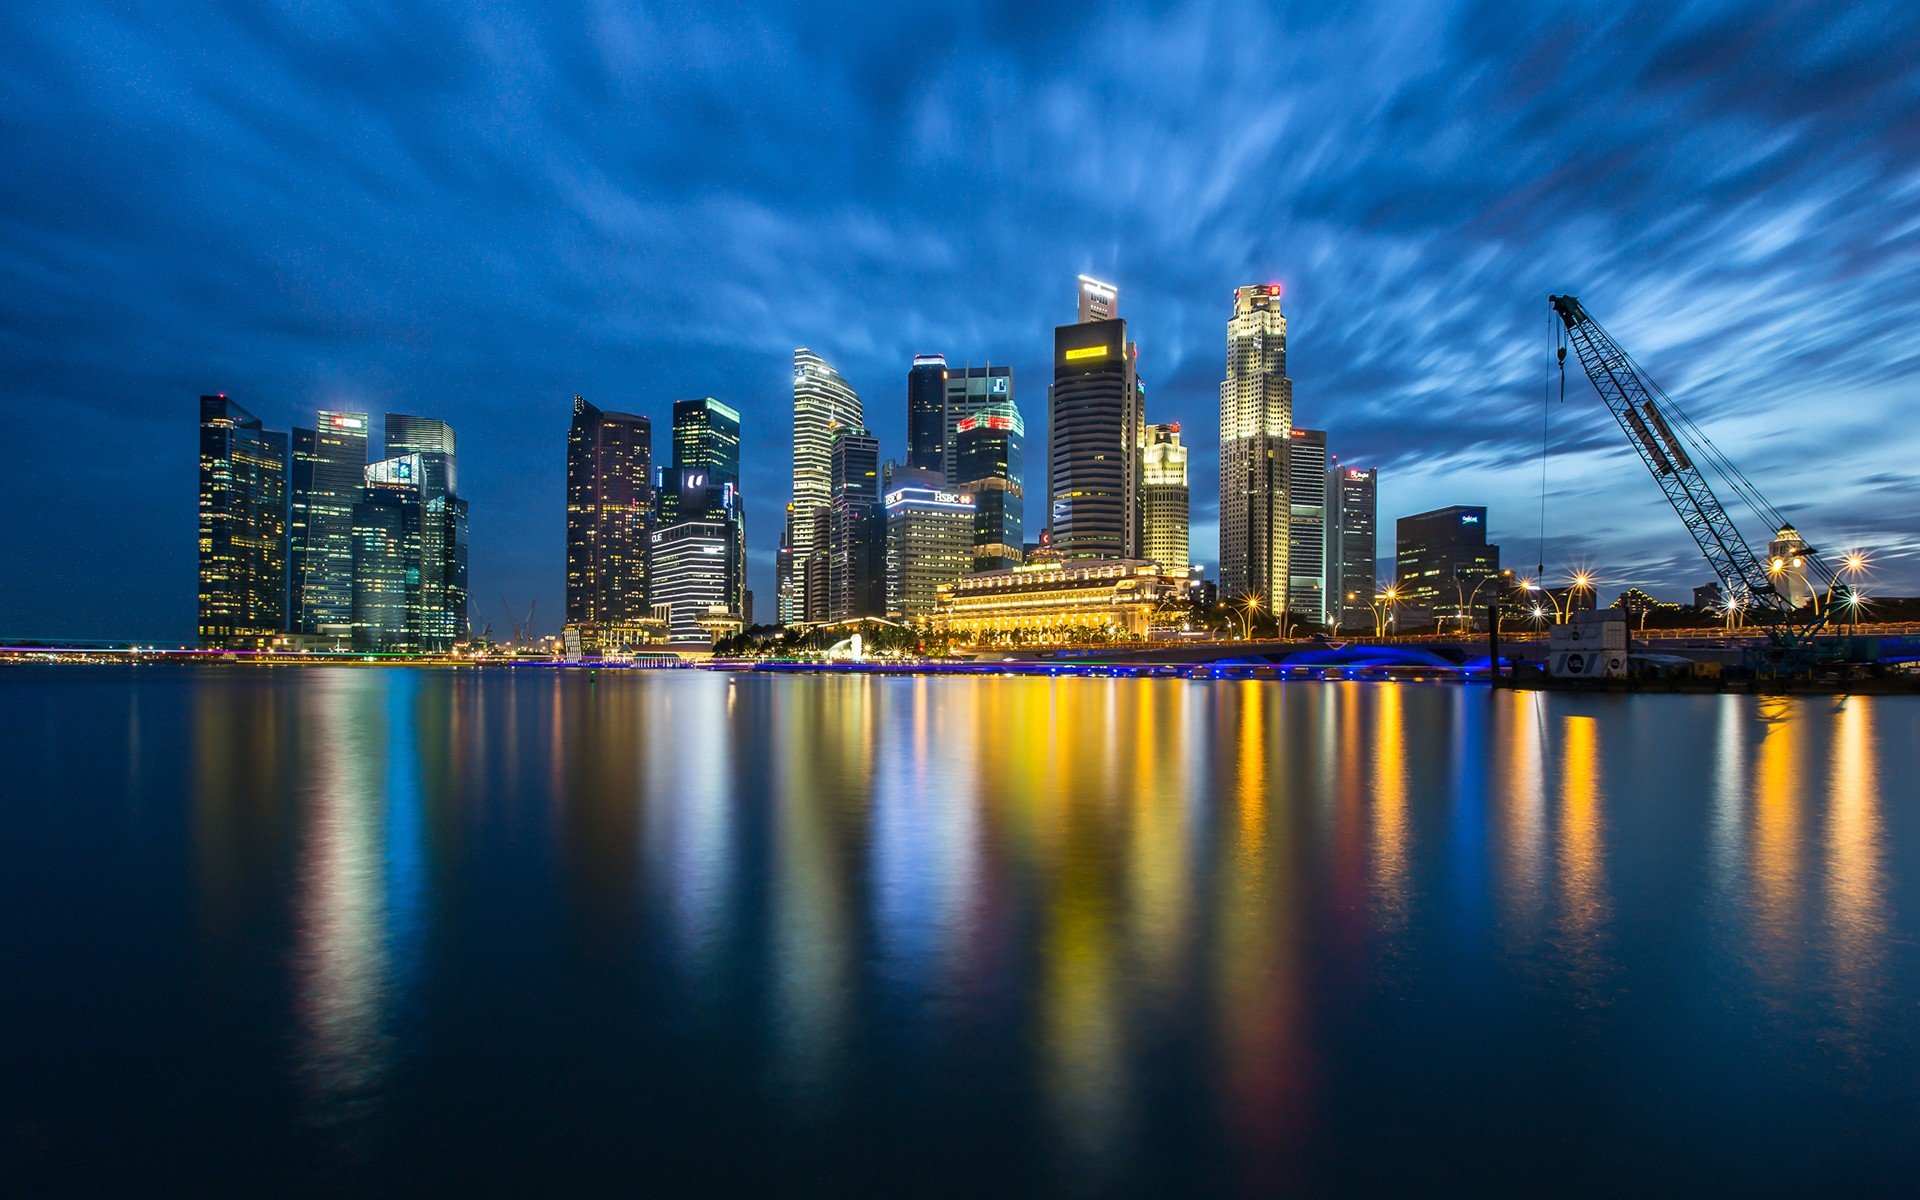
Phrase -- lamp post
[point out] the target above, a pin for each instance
(1383, 612)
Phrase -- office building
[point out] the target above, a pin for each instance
(243, 528)
(703, 485)
(789, 605)
(1444, 566)
(1256, 423)
(327, 474)
(926, 413)
(433, 440)
(969, 390)
(706, 437)
(930, 535)
(989, 458)
(610, 517)
(1352, 546)
(1057, 601)
(1307, 526)
(856, 528)
(1163, 499)
(443, 544)
(690, 579)
(388, 550)
(822, 405)
(1094, 430)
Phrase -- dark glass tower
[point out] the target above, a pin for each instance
(856, 548)
(389, 556)
(243, 528)
(989, 464)
(927, 413)
(706, 435)
(329, 469)
(1094, 430)
(703, 486)
(610, 507)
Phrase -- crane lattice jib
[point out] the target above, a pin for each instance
(1669, 460)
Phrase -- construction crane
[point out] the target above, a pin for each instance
(1673, 447)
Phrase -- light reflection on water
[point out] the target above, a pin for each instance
(1131, 930)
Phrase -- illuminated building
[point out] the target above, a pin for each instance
(926, 413)
(610, 514)
(1093, 433)
(443, 548)
(1256, 423)
(1307, 525)
(789, 605)
(1058, 601)
(856, 529)
(703, 485)
(822, 404)
(1442, 562)
(1163, 499)
(388, 550)
(1352, 548)
(328, 471)
(690, 577)
(930, 535)
(989, 456)
(969, 390)
(243, 528)
(434, 442)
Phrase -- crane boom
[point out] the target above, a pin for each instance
(1671, 460)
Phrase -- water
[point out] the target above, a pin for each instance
(333, 929)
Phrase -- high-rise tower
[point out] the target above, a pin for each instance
(1093, 433)
(243, 528)
(970, 389)
(1307, 525)
(1256, 425)
(1353, 544)
(329, 462)
(989, 465)
(1163, 504)
(822, 405)
(610, 507)
(927, 445)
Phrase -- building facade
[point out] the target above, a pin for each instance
(610, 516)
(389, 550)
(1094, 428)
(1256, 425)
(990, 456)
(823, 404)
(1353, 546)
(970, 390)
(242, 528)
(327, 474)
(690, 578)
(1307, 525)
(703, 485)
(856, 535)
(1163, 499)
(930, 535)
(1443, 564)
(927, 413)
(1064, 601)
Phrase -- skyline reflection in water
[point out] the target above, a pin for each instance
(1112, 935)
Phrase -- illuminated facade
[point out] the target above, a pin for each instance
(990, 458)
(970, 389)
(1256, 424)
(1094, 428)
(1163, 499)
(822, 405)
(926, 413)
(703, 485)
(690, 577)
(610, 514)
(856, 529)
(1443, 562)
(1058, 601)
(388, 550)
(1353, 546)
(243, 528)
(433, 440)
(929, 542)
(1307, 525)
(328, 469)
(443, 538)
(789, 605)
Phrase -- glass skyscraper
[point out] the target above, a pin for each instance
(1307, 525)
(610, 517)
(969, 389)
(243, 528)
(1256, 424)
(823, 404)
(1094, 427)
(389, 599)
(989, 460)
(927, 446)
(856, 546)
(329, 468)
(1352, 545)
(703, 486)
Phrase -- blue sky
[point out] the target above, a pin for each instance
(475, 212)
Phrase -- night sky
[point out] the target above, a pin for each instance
(475, 213)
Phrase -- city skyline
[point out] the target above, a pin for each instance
(1417, 325)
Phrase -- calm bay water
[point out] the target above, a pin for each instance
(326, 929)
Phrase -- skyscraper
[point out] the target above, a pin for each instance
(969, 390)
(706, 435)
(434, 441)
(389, 600)
(690, 577)
(703, 485)
(1256, 423)
(610, 511)
(1442, 559)
(1163, 503)
(822, 404)
(243, 528)
(926, 413)
(856, 540)
(1307, 525)
(989, 460)
(443, 536)
(1093, 434)
(328, 472)
(1352, 545)
(929, 542)
(789, 604)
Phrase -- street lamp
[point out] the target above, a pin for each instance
(1383, 613)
